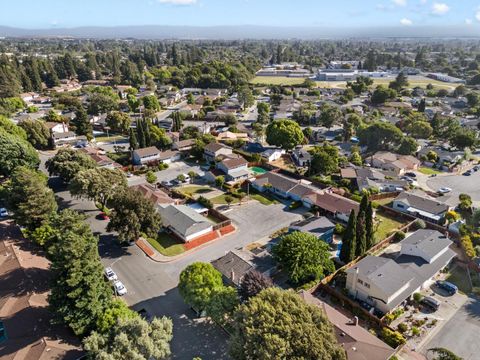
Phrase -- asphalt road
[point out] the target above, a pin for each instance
(459, 184)
(153, 286)
(460, 333)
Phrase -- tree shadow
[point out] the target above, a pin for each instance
(472, 308)
(191, 336)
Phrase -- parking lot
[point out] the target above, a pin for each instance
(459, 184)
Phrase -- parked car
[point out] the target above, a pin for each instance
(365, 305)
(444, 190)
(129, 175)
(167, 183)
(430, 303)
(3, 212)
(120, 289)
(450, 288)
(433, 175)
(110, 274)
(411, 174)
(102, 216)
(467, 173)
(476, 168)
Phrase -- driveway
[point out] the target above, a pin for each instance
(460, 333)
(459, 184)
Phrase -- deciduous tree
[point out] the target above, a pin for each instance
(68, 162)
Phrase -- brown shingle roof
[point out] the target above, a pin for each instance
(156, 195)
(234, 163)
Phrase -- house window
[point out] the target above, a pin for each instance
(367, 285)
(360, 281)
(400, 206)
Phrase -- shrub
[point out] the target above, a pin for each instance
(355, 197)
(468, 246)
(402, 327)
(339, 229)
(295, 205)
(205, 202)
(419, 224)
(389, 318)
(415, 331)
(417, 297)
(392, 338)
(399, 236)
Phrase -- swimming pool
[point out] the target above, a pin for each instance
(258, 170)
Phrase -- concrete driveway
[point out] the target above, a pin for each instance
(460, 333)
(459, 184)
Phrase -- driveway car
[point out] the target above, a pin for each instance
(3, 212)
(120, 289)
(467, 173)
(450, 288)
(430, 303)
(444, 190)
(103, 216)
(110, 274)
(411, 174)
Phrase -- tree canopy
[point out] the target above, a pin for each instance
(68, 162)
(284, 133)
(15, 151)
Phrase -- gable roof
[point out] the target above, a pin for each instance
(183, 219)
(156, 195)
(359, 343)
(148, 151)
(430, 242)
(314, 225)
(333, 203)
(424, 203)
(233, 267)
(234, 163)
(214, 147)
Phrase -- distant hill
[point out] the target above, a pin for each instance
(244, 32)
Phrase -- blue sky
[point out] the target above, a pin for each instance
(340, 13)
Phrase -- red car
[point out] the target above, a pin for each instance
(103, 216)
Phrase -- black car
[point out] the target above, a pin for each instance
(411, 174)
(450, 288)
(431, 303)
(365, 305)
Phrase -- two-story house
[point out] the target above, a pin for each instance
(235, 169)
(213, 150)
(385, 283)
(146, 155)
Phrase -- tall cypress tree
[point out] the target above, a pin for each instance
(349, 242)
(369, 226)
(81, 123)
(140, 135)
(133, 140)
(361, 230)
(146, 132)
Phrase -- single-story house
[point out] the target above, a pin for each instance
(228, 135)
(272, 154)
(184, 221)
(213, 150)
(399, 164)
(421, 206)
(385, 283)
(331, 204)
(157, 196)
(169, 156)
(283, 186)
(321, 227)
(359, 343)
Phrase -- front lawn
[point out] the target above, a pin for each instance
(220, 200)
(263, 199)
(167, 245)
(428, 171)
(459, 277)
(110, 138)
(385, 226)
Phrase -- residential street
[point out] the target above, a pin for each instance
(152, 286)
(459, 184)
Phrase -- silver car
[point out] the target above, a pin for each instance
(110, 274)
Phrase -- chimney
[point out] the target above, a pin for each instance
(355, 320)
(232, 275)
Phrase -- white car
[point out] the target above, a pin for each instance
(444, 190)
(120, 289)
(3, 212)
(110, 274)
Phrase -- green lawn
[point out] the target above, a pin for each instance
(220, 200)
(459, 277)
(167, 245)
(386, 225)
(110, 138)
(428, 171)
(264, 199)
(195, 190)
(385, 201)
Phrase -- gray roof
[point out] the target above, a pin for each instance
(315, 225)
(423, 203)
(384, 273)
(183, 219)
(233, 267)
(428, 241)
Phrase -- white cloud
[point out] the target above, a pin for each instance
(400, 2)
(178, 2)
(468, 21)
(440, 8)
(477, 15)
(406, 22)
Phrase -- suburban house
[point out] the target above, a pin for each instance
(272, 154)
(359, 343)
(237, 263)
(146, 155)
(55, 127)
(213, 150)
(183, 145)
(385, 283)
(169, 156)
(321, 227)
(234, 169)
(228, 135)
(157, 196)
(101, 159)
(301, 156)
(184, 222)
(283, 186)
(331, 204)
(398, 164)
(366, 178)
(421, 206)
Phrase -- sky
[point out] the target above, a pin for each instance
(341, 13)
